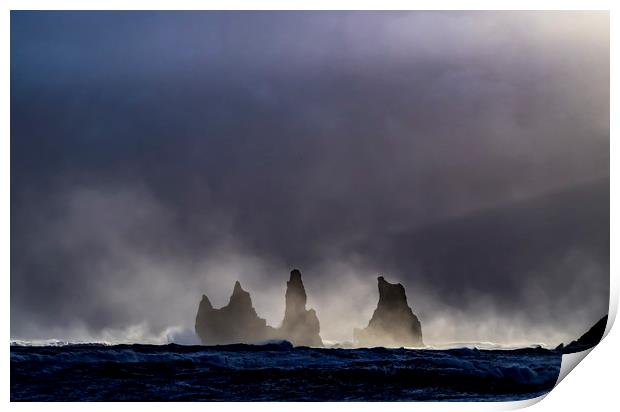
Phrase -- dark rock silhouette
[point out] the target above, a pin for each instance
(236, 322)
(589, 339)
(300, 326)
(393, 324)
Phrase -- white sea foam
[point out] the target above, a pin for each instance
(55, 342)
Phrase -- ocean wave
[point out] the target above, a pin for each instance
(56, 342)
(276, 371)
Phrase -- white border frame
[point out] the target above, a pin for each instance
(592, 386)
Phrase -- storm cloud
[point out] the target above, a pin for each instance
(156, 156)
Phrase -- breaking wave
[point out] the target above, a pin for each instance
(276, 371)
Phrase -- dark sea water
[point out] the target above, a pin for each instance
(277, 372)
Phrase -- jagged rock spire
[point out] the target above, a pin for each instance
(236, 322)
(206, 303)
(300, 326)
(295, 295)
(393, 323)
(240, 298)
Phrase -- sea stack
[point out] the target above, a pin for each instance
(236, 322)
(300, 326)
(393, 323)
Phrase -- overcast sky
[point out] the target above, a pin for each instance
(159, 156)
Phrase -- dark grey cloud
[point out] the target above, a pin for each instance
(156, 156)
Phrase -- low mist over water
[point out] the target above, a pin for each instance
(160, 156)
